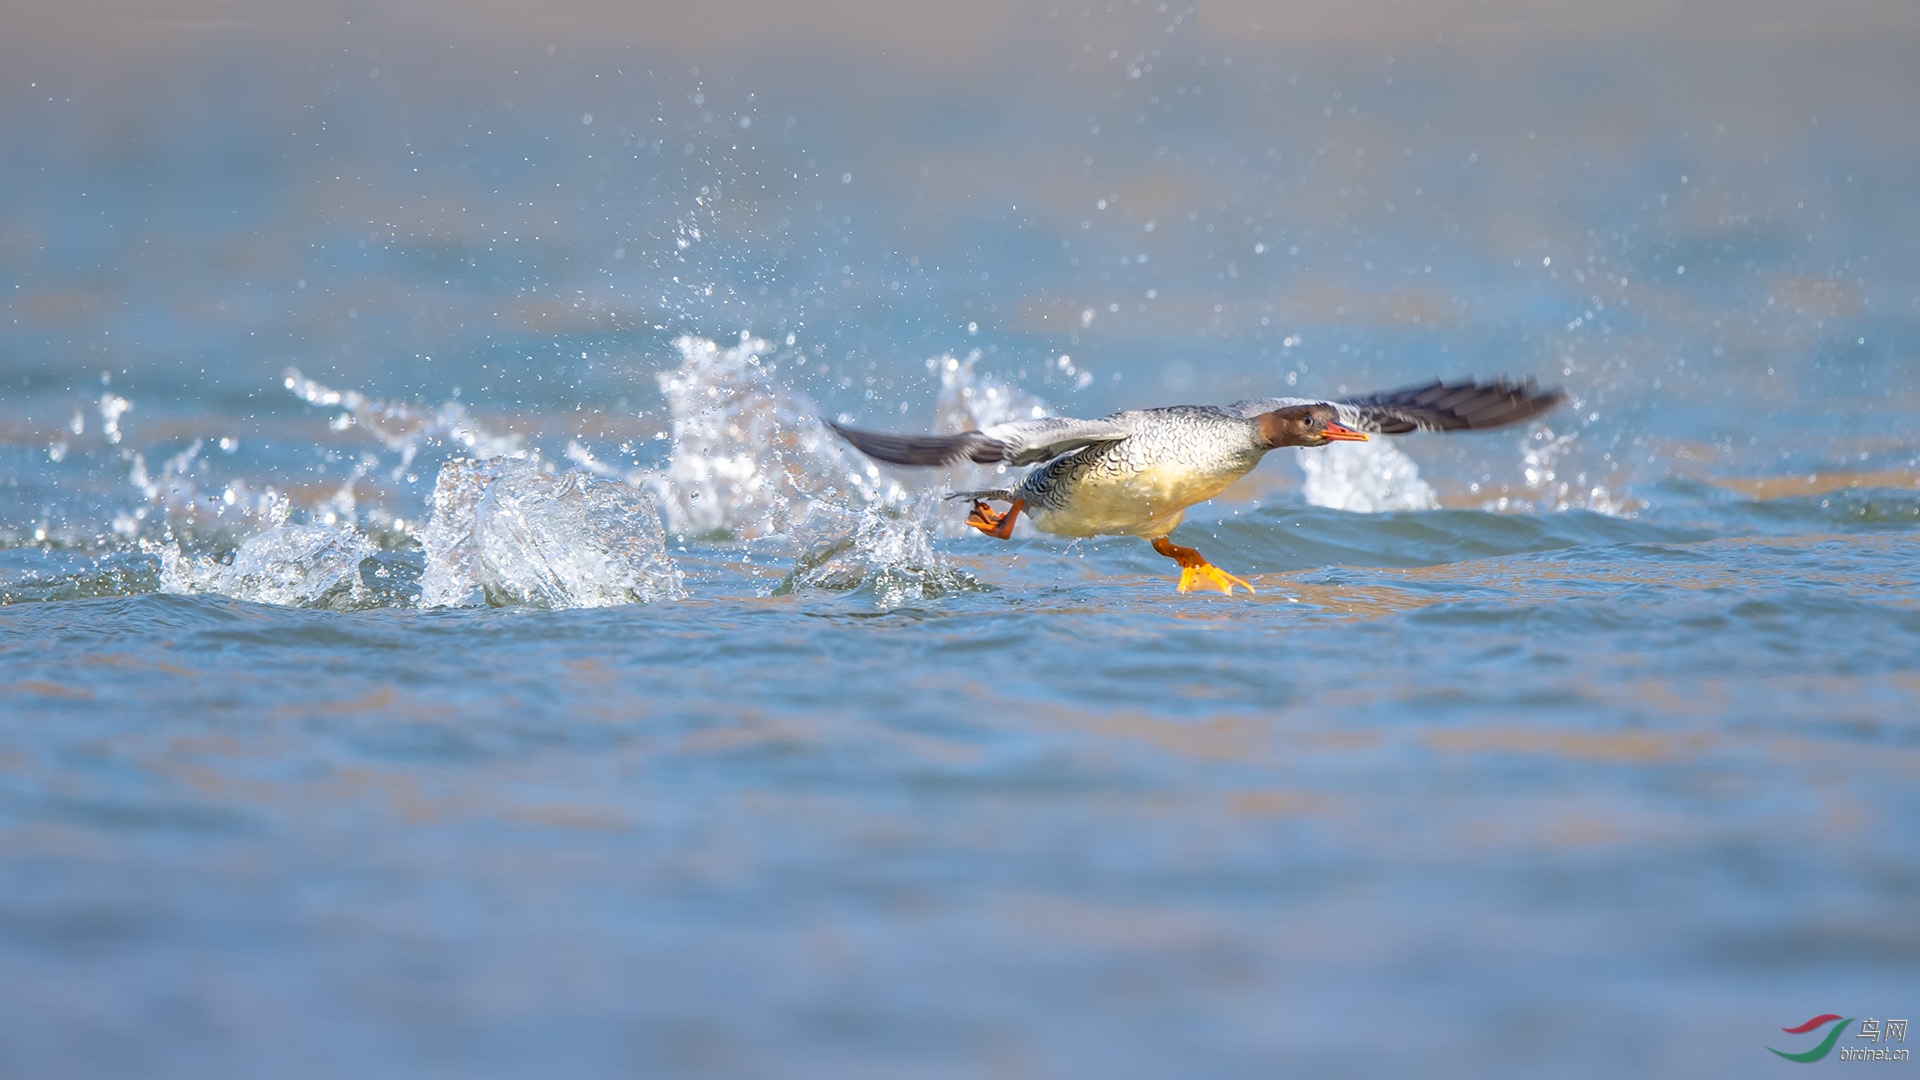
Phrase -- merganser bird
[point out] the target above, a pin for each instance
(1135, 472)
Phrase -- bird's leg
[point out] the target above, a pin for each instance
(1196, 570)
(995, 524)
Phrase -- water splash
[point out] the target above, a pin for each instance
(1370, 478)
(288, 565)
(507, 532)
(450, 577)
(1542, 456)
(405, 426)
(185, 508)
(580, 454)
(752, 459)
(751, 456)
(112, 408)
(182, 502)
(970, 400)
(887, 555)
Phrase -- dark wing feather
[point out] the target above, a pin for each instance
(1020, 442)
(923, 449)
(1440, 406)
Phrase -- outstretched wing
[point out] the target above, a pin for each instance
(1021, 442)
(1437, 406)
(1440, 406)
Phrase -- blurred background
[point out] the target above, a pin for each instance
(526, 203)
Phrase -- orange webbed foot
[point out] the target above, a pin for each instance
(1196, 572)
(1209, 576)
(993, 523)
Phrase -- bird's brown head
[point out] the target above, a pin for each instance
(1305, 425)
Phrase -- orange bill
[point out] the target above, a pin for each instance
(1343, 433)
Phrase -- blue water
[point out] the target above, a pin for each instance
(437, 637)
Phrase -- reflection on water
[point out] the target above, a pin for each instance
(439, 637)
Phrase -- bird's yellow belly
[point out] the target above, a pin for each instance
(1147, 503)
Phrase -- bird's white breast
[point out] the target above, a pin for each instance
(1148, 501)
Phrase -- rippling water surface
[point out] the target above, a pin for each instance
(438, 636)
